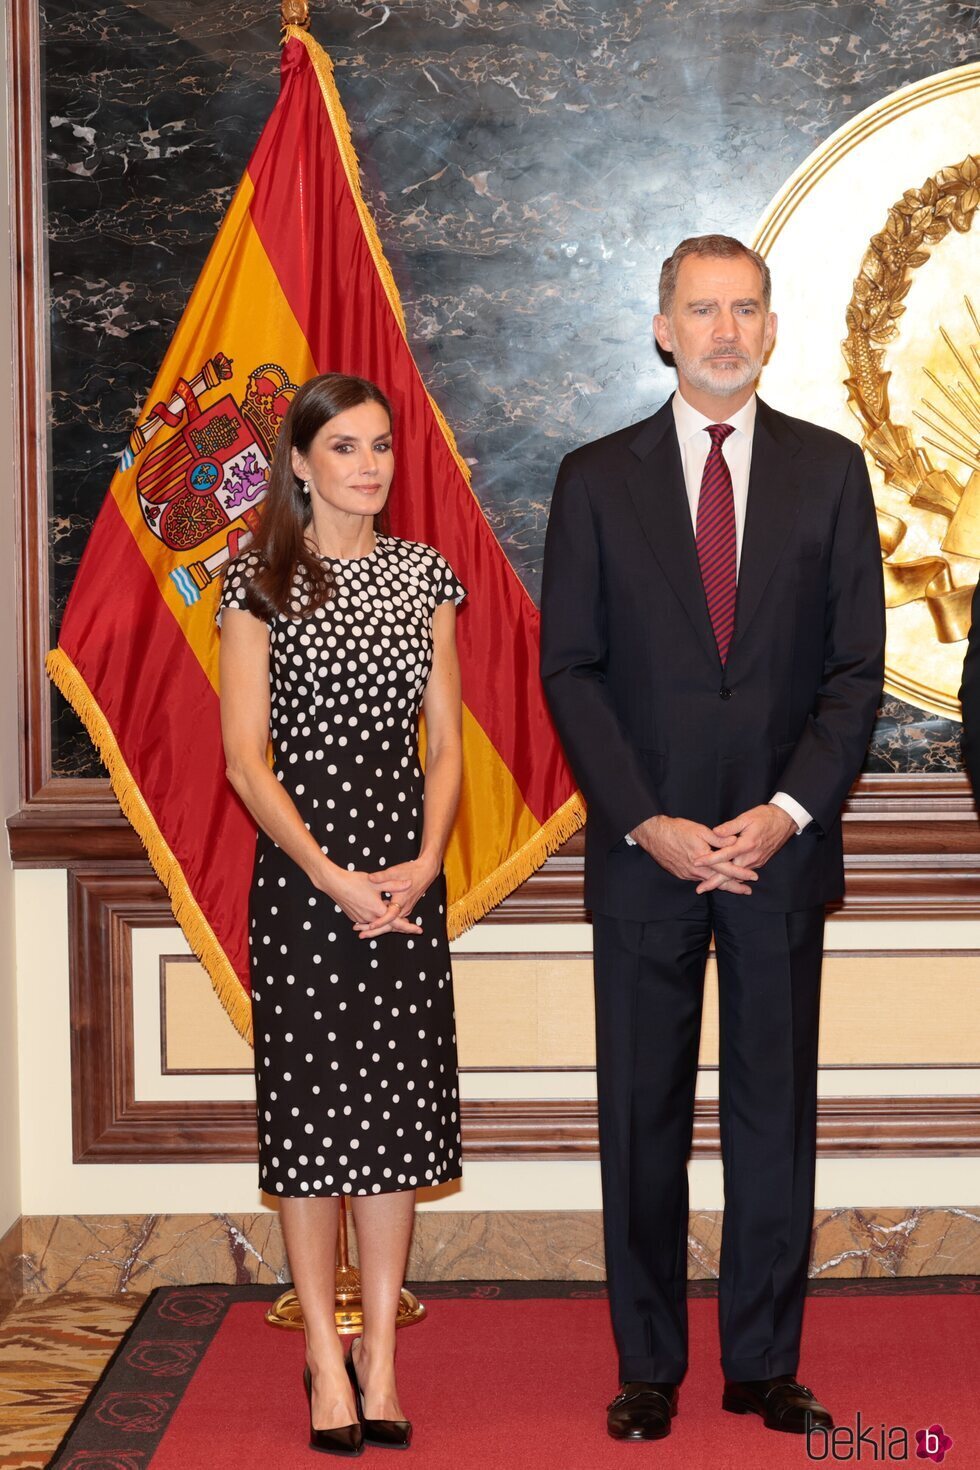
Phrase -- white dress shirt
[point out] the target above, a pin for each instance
(695, 443)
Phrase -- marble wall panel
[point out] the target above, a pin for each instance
(136, 1253)
(11, 1268)
(528, 165)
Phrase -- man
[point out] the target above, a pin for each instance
(970, 698)
(712, 651)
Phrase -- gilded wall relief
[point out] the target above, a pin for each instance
(877, 271)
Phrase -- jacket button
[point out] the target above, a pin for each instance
(725, 692)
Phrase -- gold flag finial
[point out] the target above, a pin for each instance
(295, 13)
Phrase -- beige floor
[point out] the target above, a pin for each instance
(52, 1350)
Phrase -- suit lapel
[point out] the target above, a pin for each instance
(771, 511)
(657, 490)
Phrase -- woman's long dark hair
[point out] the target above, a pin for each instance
(280, 541)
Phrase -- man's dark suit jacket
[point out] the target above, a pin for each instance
(970, 699)
(649, 721)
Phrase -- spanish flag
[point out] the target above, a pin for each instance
(295, 284)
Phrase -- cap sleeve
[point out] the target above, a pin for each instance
(446, 585)
(234, 586)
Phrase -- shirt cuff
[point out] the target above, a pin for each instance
(792, 809)
(631, 840)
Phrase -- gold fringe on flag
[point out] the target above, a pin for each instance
(197, 931)
(495, 887)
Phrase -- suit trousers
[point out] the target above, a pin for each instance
(649, 985)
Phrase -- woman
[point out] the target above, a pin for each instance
(334, 635)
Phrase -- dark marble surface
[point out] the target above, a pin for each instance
(910, 739)
(529, 166)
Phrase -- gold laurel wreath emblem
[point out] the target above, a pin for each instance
(921, 218)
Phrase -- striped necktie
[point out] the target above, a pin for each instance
(715, 536)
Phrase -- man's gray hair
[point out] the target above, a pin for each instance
(723, 247)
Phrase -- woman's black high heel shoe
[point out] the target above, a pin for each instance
(386, 1434)
(348, 1439)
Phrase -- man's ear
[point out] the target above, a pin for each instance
(661, 330)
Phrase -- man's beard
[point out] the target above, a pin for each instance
(720, 382)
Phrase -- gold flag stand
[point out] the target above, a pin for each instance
(287, 1312)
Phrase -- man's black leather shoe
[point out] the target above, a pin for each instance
(642, 1411)
(781, 1402)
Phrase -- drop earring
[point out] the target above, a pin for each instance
(305, 491)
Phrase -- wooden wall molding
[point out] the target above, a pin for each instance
(846, 1126)
(110, 1125)
(30, 375)
(912, 866)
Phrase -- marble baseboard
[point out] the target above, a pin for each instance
(11, 1267)
(121, 1253)
(896, 1242)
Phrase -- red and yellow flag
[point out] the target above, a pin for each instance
(295, 284)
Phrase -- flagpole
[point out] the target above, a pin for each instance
(349, 1312)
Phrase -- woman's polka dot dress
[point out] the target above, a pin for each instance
(355, 1045)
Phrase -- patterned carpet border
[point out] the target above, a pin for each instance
(591, 1290)
(121, 1423)
(128, 1411)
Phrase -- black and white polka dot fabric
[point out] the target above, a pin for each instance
(355, 1045)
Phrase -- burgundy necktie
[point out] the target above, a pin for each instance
(715, 536)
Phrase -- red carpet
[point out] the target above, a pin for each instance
(505, 1384)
